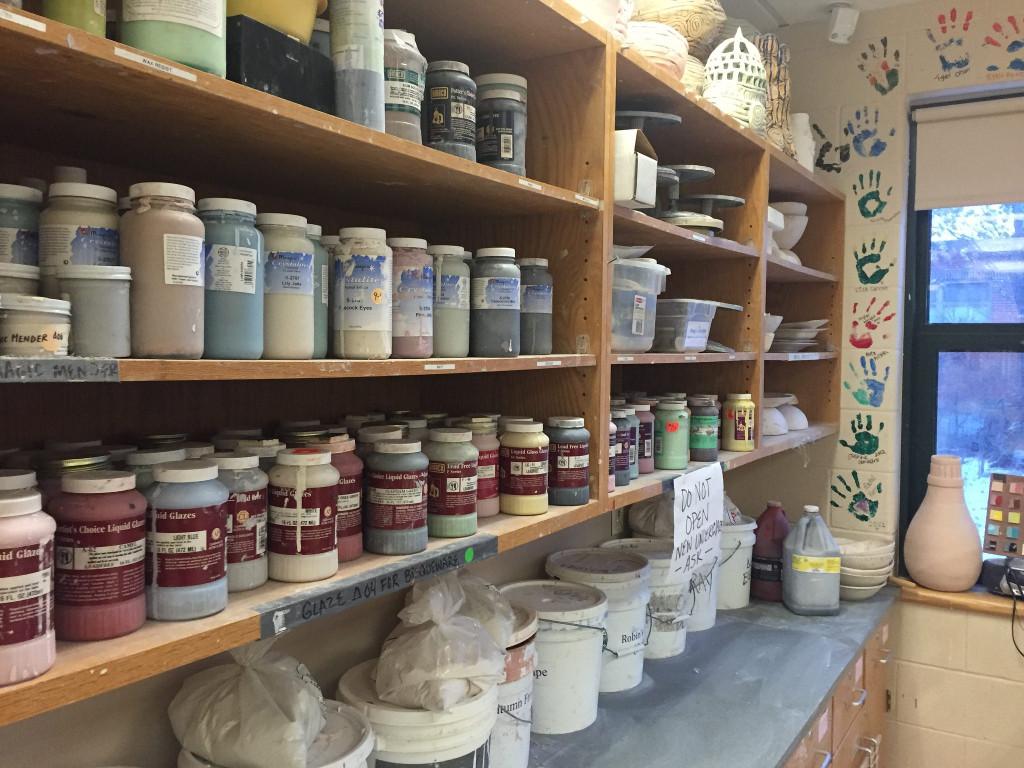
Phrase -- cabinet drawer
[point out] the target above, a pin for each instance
(815, 748)
(857, 749)
(850, 699)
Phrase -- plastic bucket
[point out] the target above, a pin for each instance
(569, 645)
(510, 739)
(703, 589)
(667, 611)
(734, 572)
(625, 579)
(420, 737)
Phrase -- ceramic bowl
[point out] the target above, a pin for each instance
(768, 339)
(848, 579)
(868, 562)
(791, 209)
(866, 543)
(787, 237)
(773, 423)
(796, 419)
(772, 323)
(855, 594)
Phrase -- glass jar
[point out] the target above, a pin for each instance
(738, 423)
(143, 462)
(450, 120)
(191, 34)
(19, 224)
(634, 441)
(363, 279)
(90, 16)
(412, 329)
(288, 304)
(501, 122)
(485, 439)
(451, 483)
(246, 511)
(396, 498)
(645, 444)
(357, 47)
(405, 71)
(523, 469)
(613, 451)
(536, 296)
(623, 446)
(494, 295)
(704, 424)
(671, 435)
(451, 301)
(162, 242)
(79, 225)
(349, 507)
(234, 279)
(569, 461)
(321, 290)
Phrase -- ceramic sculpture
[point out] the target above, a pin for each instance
(660, 44)
(693, 77)
(699, 21)
(734, 81)
(775, 56)
(803, 139)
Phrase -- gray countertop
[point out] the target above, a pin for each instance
(742, 695)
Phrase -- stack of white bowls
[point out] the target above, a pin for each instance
(866, 566)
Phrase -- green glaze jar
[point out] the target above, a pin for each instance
(671, 435)
(192, 34)
(90, 15)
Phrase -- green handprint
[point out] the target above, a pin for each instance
(858, 503)
(870, 389)
(871, 200)
(865, 440)
(869, 256)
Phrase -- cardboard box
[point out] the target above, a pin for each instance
(636, 170)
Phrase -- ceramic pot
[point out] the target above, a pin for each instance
(775, 55)
(803, 139)
(699, 21)
(942, 549)
(735, 82)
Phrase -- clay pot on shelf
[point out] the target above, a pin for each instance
(700, 21)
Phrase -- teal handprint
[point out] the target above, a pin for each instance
(870, 389)
(865, 441)
(867, 258)
(871, 201)
(857, 502)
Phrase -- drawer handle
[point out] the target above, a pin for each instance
(826, 759)
(869, 757)
(886, 656)
(861, 697)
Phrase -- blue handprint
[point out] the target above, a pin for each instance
(870, 389)
(863, 133)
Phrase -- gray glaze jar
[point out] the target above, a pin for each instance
(449, 114)
(501, 122)
(568, 461)
(395, 499)
(494, 298)
(536, 292)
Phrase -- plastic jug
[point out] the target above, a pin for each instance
(810, 575)
(766, 566)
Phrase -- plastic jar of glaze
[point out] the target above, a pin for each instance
(569, 461)
(31, 326)
(143, 462)
(17, 480)
(451, 301)
(718, 406)
(494, 296)
(396, 498)
(90, 16)
(190, 33)
(623, 445)
(297, 437)
(162, 242)
(321, 290)
(501, 122)
(100, 575)
(357, 48)
(613, 451)
(266, 450)
(288, 302)
(28, 643)
(414, 427)
(405, 72)
(485, 438)
(451, 483)
(186, 549)
(234, 279)
(303, 540)
(523, 469)
(349, 507)
(100, 309)
(412, 307)
(246, 510)
(536, 295)
(645, 445)
(364, 271)
(671, 435)
(738, 423)
(368, 437)
(450, 120)
(19, 278)
(79, 225)
(704, 425)
(634, 441)
(227, 439)
(19, 224)
(51, 466)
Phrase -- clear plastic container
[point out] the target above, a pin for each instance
(79, 225)
(683, 325)
(536, 304)
(495, 297)
(288, 301)
(636, 284)
(523, 469)
(357, 47)
(568, 461)
(396, 498)
(187, 31)
(405, 72)
(303, 532)
(451, 301)
(501, 122)
(810, 567)
(247, 518)
(363, 295)
(412, 309)
(322, 264)
(19, 224)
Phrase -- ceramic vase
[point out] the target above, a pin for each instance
(699, 21)
(734, 81)
(942, 549)
(775, 55)
(803, 139)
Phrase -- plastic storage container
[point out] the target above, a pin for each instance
(510, 739)
(734, 571)
(79, 225)
(495, 296)
(288, 301)
(191, 33)
(501, 122)
(19, 224)
(363, 295)
(357, 47)
(671, 435)
(451, 301)
(636, 284)
(349, 509)
(322, 265)
(100, 309)
(451, 483)
(405, 73)
(396, 499)
(523, 469)
(810, 567)
(449, 120)
(19, 278)
(536, 302)
(31, 326)
(683, 325)
(568, 461)
(247, 518)
(412, 309)
(766, 563)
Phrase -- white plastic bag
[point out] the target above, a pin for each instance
(654, 517)
(262, 711)
(436, 658)
(483, 602)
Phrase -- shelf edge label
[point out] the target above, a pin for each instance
(530, 184)
(548, 363)
(159, 66)
(439, 367)
(25, 21)
(58, 370)
(624, 359)
(591, 201)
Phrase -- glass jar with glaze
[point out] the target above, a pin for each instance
(100, 576)
(90, 16)
(451, 301)
(494, 296)
(321, 290)
(162, 242)
(412, 306)
(704, 424)
(19, 224)
(671, 435)
(186, 546)
(523, 469)
(536, 296)
(246, 510)
(265, 449)
(28, 643)
(645, 444)
(51, 466)
(405, 72)
(364, 291)
(623, 445)
(738, 423)
(613, 451)
(143, 462)
(190, 33)
(79, 225)
(349, 507)
(569, 461)
(368, 437)
(396, 498)
(303, 532)
(100, 299)
(288, 302)
(501, 122)
(451, 483)
(449, 122)
(234, 279)
(485, 439)
(634, 441)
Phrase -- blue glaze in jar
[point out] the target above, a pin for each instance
(321, 289)
(19, 224)
(234, 279)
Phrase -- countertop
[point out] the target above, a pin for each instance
(742, 695)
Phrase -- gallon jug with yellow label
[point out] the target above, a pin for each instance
(810, 563)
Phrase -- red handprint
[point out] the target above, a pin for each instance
(869, 321)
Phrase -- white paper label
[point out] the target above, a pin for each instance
(639, 314)
(31, 337)
(528, 467)
(22, 20)
(403, 90)
(486, 471)
(573, 462)
(536, 299)
(21, 246)
(529, 184)
(160, 66)
(207, 15)
(183, 260)
(452, 292)
(61, 245)
(394, 497)
(295, 518)
(696, 334)
(324, 284)
(28, 586)
(289, 273)
(231, 268)
(179, 543)
(495, 293)
(413, 307)
(97, 558)
(349, 501)
(366, 293)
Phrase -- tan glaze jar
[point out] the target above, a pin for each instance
(523, 469)
(162, 242)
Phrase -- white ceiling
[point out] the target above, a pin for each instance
(768, 15)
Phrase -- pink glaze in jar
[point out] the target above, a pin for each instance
(349, 509)
(485, 439)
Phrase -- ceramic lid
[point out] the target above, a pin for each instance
(566, 422)
(450, 435)
(314, 230)
(91, 191)
(652, 549)
(190, 471)
(152, 456)
(280, 220)
(558, 600)
(525, 625)
(496, 253)
(20, 503)
(161, 189)
(19, 270)
(93, 272)
(303, 457)
(226, 204)
(407, 242)
(596, 564)
(397, 446)
(17, 302)
(235, 460)
(445, 250)
(17, 479)
(98, 481)
(25, 194)
(522, 426)
(362, 233)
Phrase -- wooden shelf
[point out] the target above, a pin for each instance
(780, 271)
(671, 242)
(977, 600)
(799, 357)
(790, 181)
(669, 358)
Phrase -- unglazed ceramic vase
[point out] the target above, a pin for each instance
(803, 139)
(942, 549)
(775, 55)
(699, 21)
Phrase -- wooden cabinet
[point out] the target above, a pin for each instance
(849, 700)
(877, 662)
(815, 748)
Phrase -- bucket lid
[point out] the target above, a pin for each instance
(24, 271)
(148, 457)
(657, 551)
(525, 626)
(597, 564)
(558, 600)
(91, 191)
(226, 204)
(189, 471)
(98, 481)
(280, 220)
(19, 192)
(232, 460)
(17, 479)
(15, 301)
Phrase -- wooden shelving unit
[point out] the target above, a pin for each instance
(671, 358)
(799, 357)
(780, 271)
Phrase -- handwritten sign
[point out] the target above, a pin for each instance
(697, 514)
(57, 369)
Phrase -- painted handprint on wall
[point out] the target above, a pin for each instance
(1007, 35)
(868, 261)
(866, 137)
(865, 436)
(866, 386)
(868, 325)
(872, 198)
(850, 496)
(881, 66)
(948, 39)
(831, 158)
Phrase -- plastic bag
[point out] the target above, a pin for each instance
(437, 658)
(654, 517)
(262, 711)
(483, 602)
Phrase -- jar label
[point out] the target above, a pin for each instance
(183, 260)
(452, 114)
(741, 421)
(207, 15)
(487, 475)
(639, 314)
(646, 439)
(696, 335)
(354, 43)
(452, 292)
(536, 299)
(62, 245)
(396, 501)
(766, 568)
(230, 268)
(186, 547)
(570, 465)
(289, 272)
(704, 432)
(495, 135)
(451, 487)
(26, 592)
(27, 337)
(523, 471)
(624, 444)
(413, 312)
(366, 293)
(325, 284)
(350, 506)
(403, 90)
(612, 452)
(495, 293)
(311, 530)
(809, 564)
(19, 246)
(101, 562)
(247, 525)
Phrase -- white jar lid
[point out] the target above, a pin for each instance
(598, 564)
(232, 460)
(314, 230)
(671, 405)
(24, 271)
(227, 204)
(640, 407)
(329, 240)
(98, 481)
(17, 479)
(533, 262)
(362, 233)
(14, 301)
(566, 422)
(197, 450)
(501, 79)
(558, 600)
(93, 272)
(743, 396)
(18, 192)
(445, 250)
(407, 242)
(191, 471)
(450, 435)
(280, 220)
(491, 253)
(336, 445)
(70, 173)
(161, 189)
(303, 457)
(397, 446)
(149, 457)
(379, 432)
(523, 426)
(20, 503)
(628, 410)
(673, 395)
(618, 413)
(90, 191)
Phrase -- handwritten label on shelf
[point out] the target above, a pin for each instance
(56, 369)
(592, 202)
(24, 21)
(530, 184)
(160, 66)
(548, 363)
(341, 595)
(624, 359)
(439, 367)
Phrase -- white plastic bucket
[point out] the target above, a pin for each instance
(570, 645)
(734, 572)
(510, 739)
(703, 589)
(420, 737)
(668, 610)
(625, 579)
